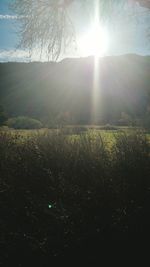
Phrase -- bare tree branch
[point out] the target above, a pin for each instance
(45, 25)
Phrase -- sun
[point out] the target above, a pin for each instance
(94, 42)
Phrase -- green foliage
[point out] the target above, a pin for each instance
(108, 127)
(59, 194)
(24, 123)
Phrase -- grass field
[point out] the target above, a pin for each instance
(69, 191)
(107, 132)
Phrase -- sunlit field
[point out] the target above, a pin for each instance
(107, 132)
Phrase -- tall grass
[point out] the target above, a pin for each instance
(57, 191)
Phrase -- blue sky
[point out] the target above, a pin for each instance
(8, 36)
(126, 37)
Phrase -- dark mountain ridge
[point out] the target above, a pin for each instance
(66, 90)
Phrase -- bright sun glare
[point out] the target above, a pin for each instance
(95, 42)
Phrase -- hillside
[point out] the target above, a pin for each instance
(64, 90)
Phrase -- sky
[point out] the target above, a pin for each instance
(126, 36)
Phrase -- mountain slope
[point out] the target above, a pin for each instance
(66, 89)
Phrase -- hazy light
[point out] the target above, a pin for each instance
(98, 42)
(95, 42)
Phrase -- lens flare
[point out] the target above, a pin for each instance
(95, 42)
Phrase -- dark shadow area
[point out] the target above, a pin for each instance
(73, 199)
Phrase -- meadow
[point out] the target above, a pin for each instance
(70, 191)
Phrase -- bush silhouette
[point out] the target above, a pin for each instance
(24, 123)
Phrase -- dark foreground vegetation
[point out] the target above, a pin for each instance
(71, 197)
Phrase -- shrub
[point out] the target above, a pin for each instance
(76, 130)
(108, 127)
(24, 123)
